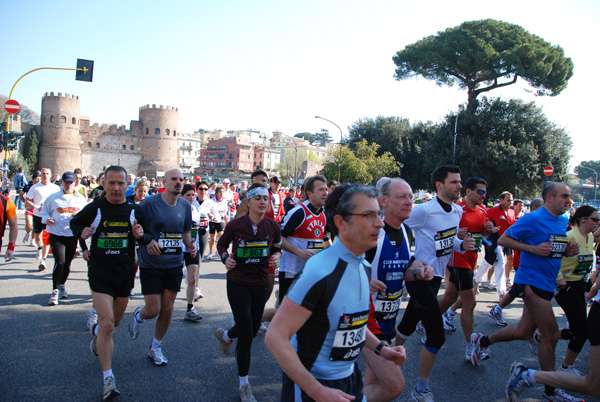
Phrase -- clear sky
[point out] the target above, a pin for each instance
(273, 65)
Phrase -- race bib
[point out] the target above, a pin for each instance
(444, 242)
(171, 243)
(252, 251)
(315, 245)
(584, 264)
(387, 305)
(203, 222)
(559, 245)
(478, 237)
(350, 336)
(194, 233)
(113, 242)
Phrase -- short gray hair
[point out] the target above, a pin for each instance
(341, 202)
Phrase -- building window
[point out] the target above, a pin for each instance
(124, 147)
(147, 131)
(174, 133)
(97, 145)
(63, 119)
(167, 132)
(230, 156)
(74, 120)
(248, 156)
(268, 156)
(51, 119)
(89, 144)
(132, 147)
(157, 131)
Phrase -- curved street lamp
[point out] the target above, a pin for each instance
(341, 135)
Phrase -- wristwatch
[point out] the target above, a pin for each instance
(381, 345)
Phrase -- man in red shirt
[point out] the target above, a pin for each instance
(461, 266)
(276, 197)
(502, 216)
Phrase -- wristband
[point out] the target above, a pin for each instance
(11, 246)
(381, 345)
(224, 257)
(414, 272)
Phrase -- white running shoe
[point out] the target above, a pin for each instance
(192, 315)
(26, 238)
(38, 254)
(476, 349)
(421, 331)
(489, 285)
(570, 369)
(135, 326)
(224, 346)
(534, 343)
(54, 298)
(92, 319)
(448, 319)
(498, 317)
(425, 396)
(198, 295)
(263, 328)
(246, 394)
(560, 396)
(156, 355)
(109, 390)
(42, 266)
(62, 292)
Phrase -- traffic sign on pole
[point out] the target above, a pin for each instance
(12, 106)
(548, 170)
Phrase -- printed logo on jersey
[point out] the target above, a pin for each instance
(67, 210)
(108, 224)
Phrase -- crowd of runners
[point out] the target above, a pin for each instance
(344, 260)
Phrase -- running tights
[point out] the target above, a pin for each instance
(572, 300)
(63, 250)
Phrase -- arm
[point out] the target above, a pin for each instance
(187, 240)
(418, 271)
(12, 238)
(290, 248)
(287, 321)
(542, 249)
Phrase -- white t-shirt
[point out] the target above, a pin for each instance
(38, 193)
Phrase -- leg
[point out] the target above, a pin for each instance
(508, 266)
(572, 301)
(524, 330)
(240, 300)
(383, 379)
(543, 318)
(192, 280)
(466, 316)
(167, 301)
(104, 305)
(450, 295)
(70, 247)
(59, 251)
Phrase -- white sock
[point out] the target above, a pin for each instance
(529, 376)
(244, 381)
(106, 374)
(96, 330)
(226, 338)
(137, 318)
(451, 312)
(156, 343)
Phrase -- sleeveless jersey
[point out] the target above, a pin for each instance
(473, 220)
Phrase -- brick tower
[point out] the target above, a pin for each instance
(159, 139)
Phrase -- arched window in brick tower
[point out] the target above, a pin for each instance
(131, 147)
(167, 132)
(147, 131)
(174, 133)
(51, 119)
(63, 119)
(157, 131)
(74, 120)
(97, 145)
(89, 144)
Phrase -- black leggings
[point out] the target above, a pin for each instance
(572, 301)
(203, 240)
(423, 306)
(247, 305)
(63, 250)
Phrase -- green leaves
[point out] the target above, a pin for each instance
(483, 55)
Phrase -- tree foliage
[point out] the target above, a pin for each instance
(323, 138)
(587, 174)
(307, 136)
(27, 115)
(507, 143)
(483, 55)
(30, 149)
(361, 165)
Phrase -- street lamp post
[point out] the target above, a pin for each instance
(341, 135)
(595, 182)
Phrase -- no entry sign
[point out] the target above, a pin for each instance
(12, 106)
(548, 170)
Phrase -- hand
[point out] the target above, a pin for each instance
(192, 249)
(488, 226)
(325, 394)
(425, 274)
(561, 283)
(87, 232)
(572, 249)
(462, 232)
(86, 255)
(542, 249)
(9, 255)
(50, 221)
(153, 248)
(137, 230)
(468, 243)
(397, 354)
(274, 260)
(230, 263)
(375, 285)
(306, 254)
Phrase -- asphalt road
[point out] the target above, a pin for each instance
(45, 356)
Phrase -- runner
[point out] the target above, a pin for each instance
(256, 247)
(541, 237)
(36, 196)
(161, 260)
(96, 193)
(392, 265)
(112, 223)
(35, 178)
(461, 266)
(140, 191)
(276, 210)
(57, 211)
(325, 312)
(435, 225)
(303, 231)
(8, 214)
(217, 224)
(571, 281)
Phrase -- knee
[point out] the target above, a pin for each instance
(106, 327)
(469, 304)
(191, 280)
(435, 341)
(152, 311)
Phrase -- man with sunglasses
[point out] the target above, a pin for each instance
(436, 227)
(460, 283)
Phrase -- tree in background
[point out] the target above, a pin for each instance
(307, 136)
(361, 165)
(323, 138)
(483, 55)
(587, 174)
(30, 145)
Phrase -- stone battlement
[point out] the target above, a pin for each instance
(60, 95)
(159, 107)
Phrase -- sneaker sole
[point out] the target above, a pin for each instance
(186, 318)
(159, 363)
(111, 395)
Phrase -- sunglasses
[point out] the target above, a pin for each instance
(481, 192)
(594, 219)
(203, 189)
